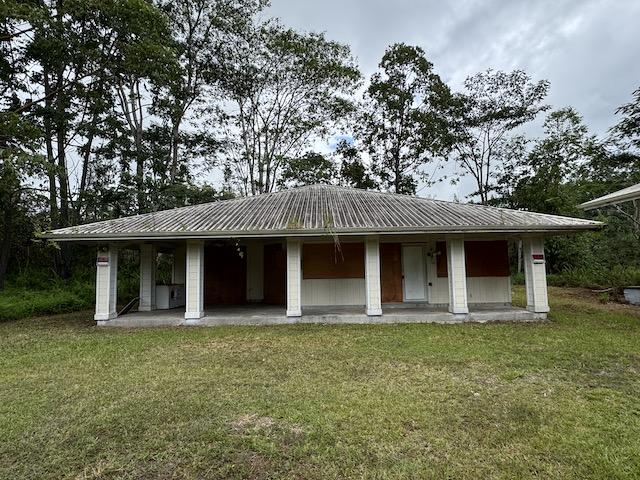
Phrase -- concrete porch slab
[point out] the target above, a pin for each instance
(275, 315)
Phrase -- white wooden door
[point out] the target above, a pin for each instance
(415, 279)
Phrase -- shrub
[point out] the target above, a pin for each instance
(615, 277)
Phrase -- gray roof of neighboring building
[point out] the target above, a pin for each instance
(321, 210)
(625, 195)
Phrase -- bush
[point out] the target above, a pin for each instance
(60, 297)
(596, 277)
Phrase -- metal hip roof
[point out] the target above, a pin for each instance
(321, 210)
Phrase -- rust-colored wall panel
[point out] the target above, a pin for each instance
(483, 258)
(275, 274)
(225, 276)
(323, 260)
(487, 258)
(391, 272)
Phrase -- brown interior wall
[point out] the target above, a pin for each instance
(391, 272)
(323, 260)
(483, 258)
(275, 275)
(225, 276)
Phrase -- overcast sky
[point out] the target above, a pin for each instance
(588, 49)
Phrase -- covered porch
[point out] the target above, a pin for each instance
(240, 285)
(274, 315)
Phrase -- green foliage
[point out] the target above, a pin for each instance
(309, 169)
(59, 297)
(403, 124)
(482, 118)
(353, 172)
(286, 87)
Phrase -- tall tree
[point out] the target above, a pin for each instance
(403, 125)
(353, 172)
(284, 88)
(628, 129)
(203, 32)
(308, 169)
(493, 105)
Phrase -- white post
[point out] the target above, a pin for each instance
(106, 283)
(457, 277)
(194, 286)
(372, 275)
(148, 256)
(294, 277)
(535, 275)
(178, 270)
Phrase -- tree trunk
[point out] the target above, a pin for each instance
(5, 246)
(175, 145)
(48, 139)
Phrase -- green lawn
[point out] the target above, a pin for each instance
(559, 399)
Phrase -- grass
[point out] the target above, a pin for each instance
(559, 399)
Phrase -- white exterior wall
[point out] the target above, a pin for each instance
(535, 275)
(194, 287)
(106, 284)
(333, 291)
(457, 277)
(148, 256)
(479, 290)
(294, 277)
(255, 271)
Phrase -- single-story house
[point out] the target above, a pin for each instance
(324, 253)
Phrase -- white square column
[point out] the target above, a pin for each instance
(372, 276)
(178, 269)
(294, 277)
(535, 275)
(194, 286)
(106, 283)
(148, 256)
(457, 272)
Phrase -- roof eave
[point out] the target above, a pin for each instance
(555, 229)
(605, 202)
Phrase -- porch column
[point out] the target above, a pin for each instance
(178, 269)
(106, 283)
(457, 277)
(372, 275)
(294, 277)
(148, 257)
(194, 286)
(535, 275)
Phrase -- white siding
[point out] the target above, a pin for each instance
(106, 284)
(457, 276)
(535, 275)
(373, 295)
(294, 277)
(194, 287)
(333, 291)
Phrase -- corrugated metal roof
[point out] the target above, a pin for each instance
(321, 210)
(625, 195)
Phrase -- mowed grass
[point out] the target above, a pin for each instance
(559, 399)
